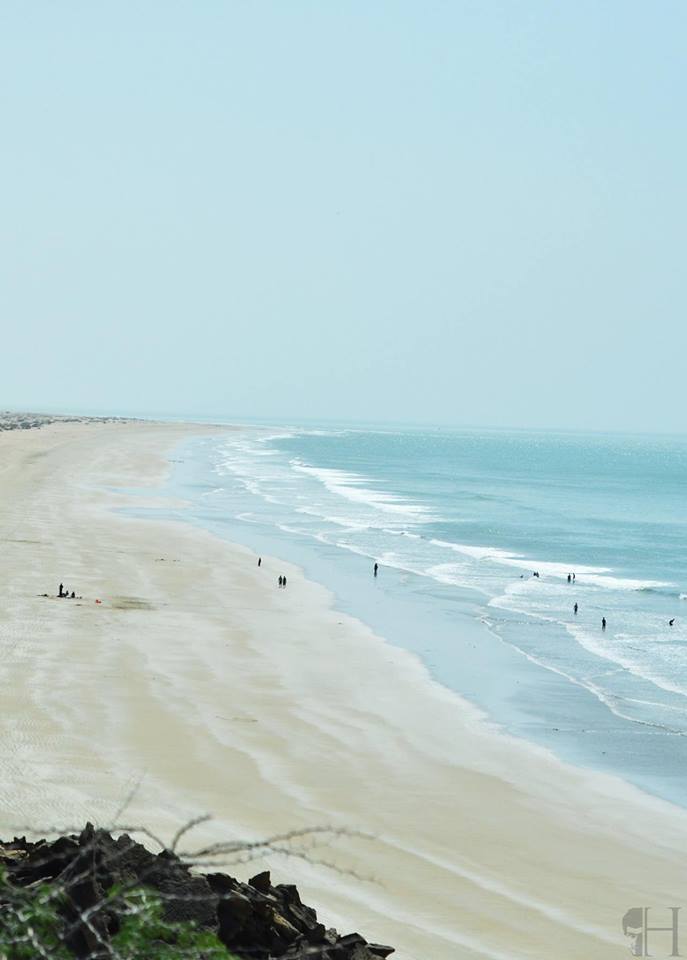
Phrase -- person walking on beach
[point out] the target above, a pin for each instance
(603, 623)
(61, 593)
(575, 609)
(259, 561)
(281, 581)
(376, 568)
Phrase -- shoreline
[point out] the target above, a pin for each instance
(476, 716)
(452, 628)
(371, 739)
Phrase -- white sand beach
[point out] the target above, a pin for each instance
(199, 687)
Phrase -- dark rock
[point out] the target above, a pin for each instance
(255, 920)
(83, 892)
(261, 882)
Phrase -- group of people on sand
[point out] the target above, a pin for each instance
(65, 593)
(282, 579)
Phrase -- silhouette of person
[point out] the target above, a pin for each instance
(575, 608)
(376, 568)
(671, 622)
(73, 595)
(573, 576)
(281, 581)
(259, 561)
(569, 578)
(61, 593)
(603, 623)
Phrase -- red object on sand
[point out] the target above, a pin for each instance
(98, 601)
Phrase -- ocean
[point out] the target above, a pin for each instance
(459, 521)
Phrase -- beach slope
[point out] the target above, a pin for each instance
(196, 686)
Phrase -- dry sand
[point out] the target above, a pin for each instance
(199, 683)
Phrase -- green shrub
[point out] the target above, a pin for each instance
(144, 933)
(30, 923)
(32, 926)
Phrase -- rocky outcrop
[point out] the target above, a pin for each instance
(255, 920)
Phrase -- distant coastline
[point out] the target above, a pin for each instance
(15, 420)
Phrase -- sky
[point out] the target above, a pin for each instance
(367, 210)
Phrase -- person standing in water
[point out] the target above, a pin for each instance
(376, 568)
(569, 578)
(603, 623)
(575, 609)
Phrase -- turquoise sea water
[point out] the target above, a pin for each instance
(459, 521)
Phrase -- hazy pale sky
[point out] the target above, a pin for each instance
(459, 212)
